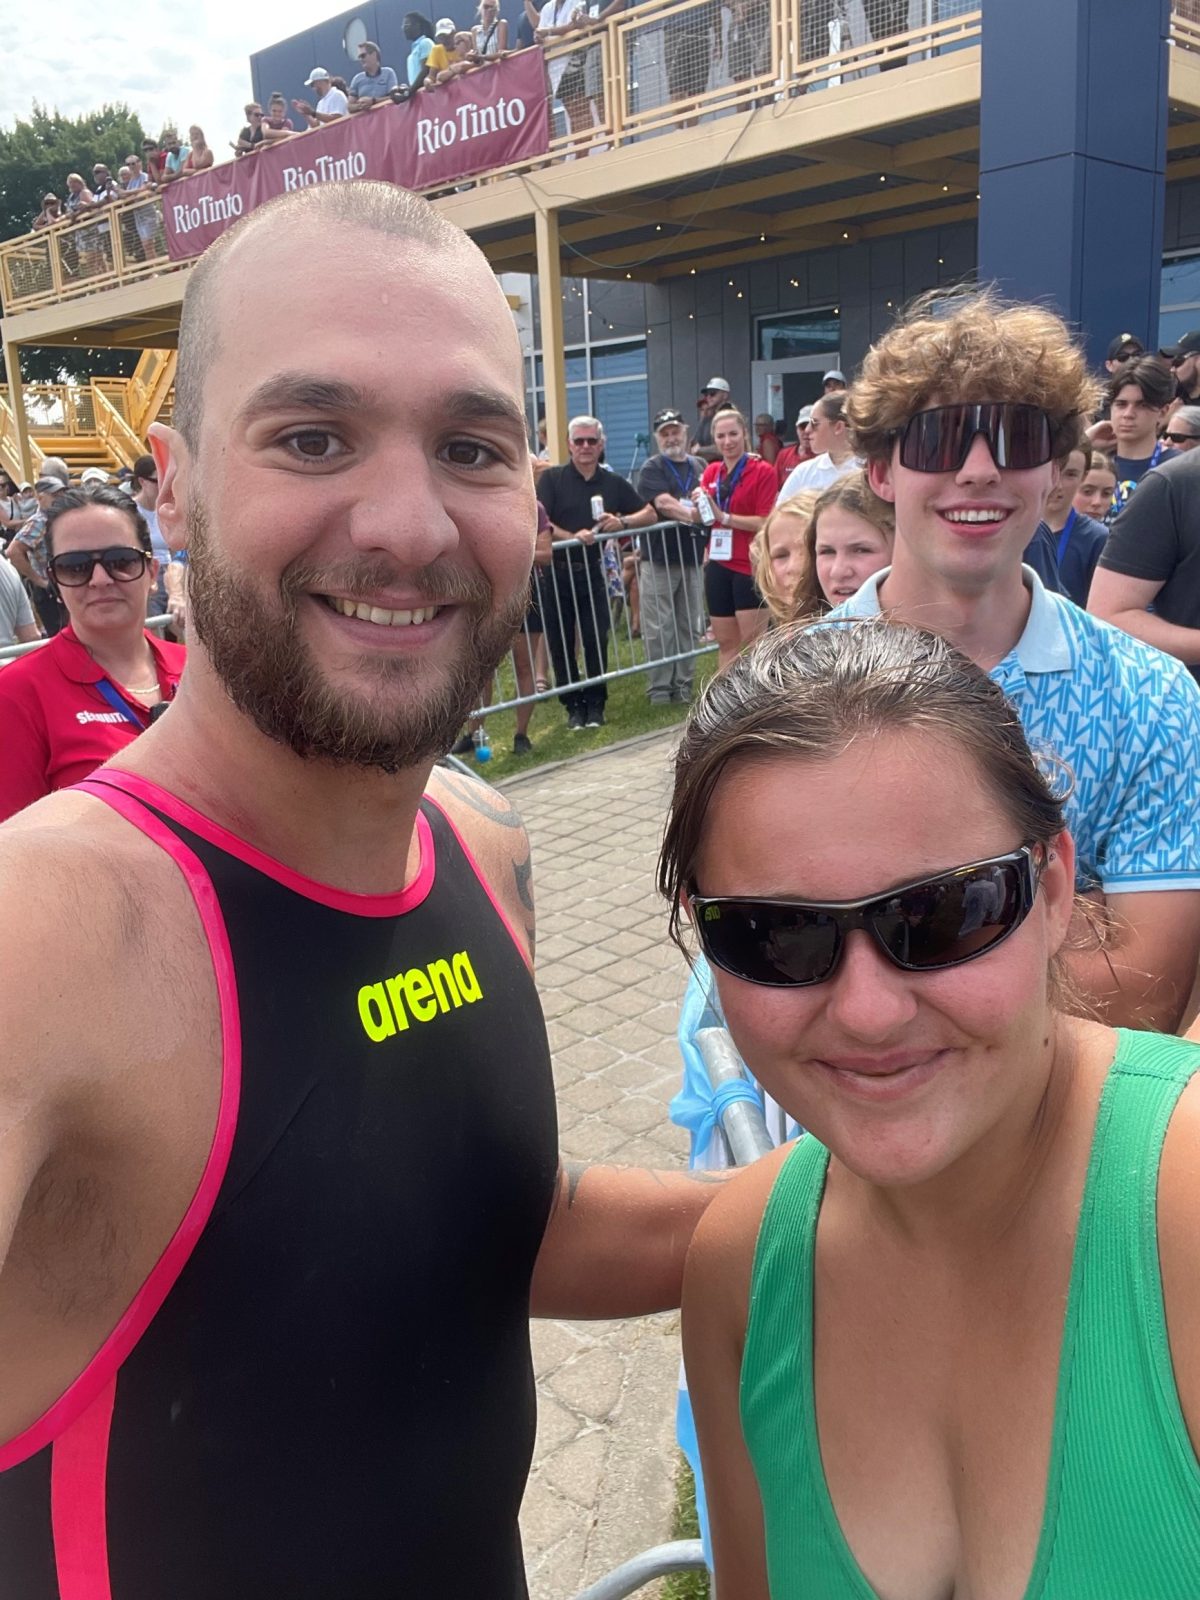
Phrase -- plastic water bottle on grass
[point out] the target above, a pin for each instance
(483, 750)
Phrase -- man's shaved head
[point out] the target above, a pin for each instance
(377, 207)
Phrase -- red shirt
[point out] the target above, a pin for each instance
(754, 495)
(56, 726)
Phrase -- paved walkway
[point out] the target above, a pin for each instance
(602, 1481)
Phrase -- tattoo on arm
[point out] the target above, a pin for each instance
(482, 799)
(523, 876)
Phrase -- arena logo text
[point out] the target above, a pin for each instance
(419, 995)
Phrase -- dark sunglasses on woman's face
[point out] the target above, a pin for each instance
(74, 568)
(924, 926)
(939, 440)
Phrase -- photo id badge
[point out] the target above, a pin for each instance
(720, 546)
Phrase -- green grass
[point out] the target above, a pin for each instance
(627, 714)
(685, 1525)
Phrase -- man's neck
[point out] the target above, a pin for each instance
(985, 624)
(1139, 449)
(587, 474)
(1056, 521)
(343, 826)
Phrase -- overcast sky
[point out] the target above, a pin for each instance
(180, 63)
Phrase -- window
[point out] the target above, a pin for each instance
(799, 333)
(354, 38)
(607, 381)
(1179, 311)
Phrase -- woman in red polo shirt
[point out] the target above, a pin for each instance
(70, 705)
(742, 488)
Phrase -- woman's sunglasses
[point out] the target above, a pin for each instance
(74, 568)
(925, 926)
(939, 440)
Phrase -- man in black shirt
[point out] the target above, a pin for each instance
(1152, 558)
(670, 577)
(577, 604)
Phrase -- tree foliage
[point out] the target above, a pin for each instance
(35, 157)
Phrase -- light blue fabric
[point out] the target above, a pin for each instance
(418, 56)
(1124, 718)
(364, 87)
(692, 1107)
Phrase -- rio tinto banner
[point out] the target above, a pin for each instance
(481, 120)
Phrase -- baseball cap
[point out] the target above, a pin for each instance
(93, 475)
(718, 383)
(838, 377)
(1129, 342)
(804, 417)
(317, 75)
(444, 25)
(665, 418)
(44, 485)
(1189, 345)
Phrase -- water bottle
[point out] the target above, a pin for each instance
(708, 512)
(483, 750)
(597, 507)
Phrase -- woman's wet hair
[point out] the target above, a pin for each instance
(808, 692)
(97, 494)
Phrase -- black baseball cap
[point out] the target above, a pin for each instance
(665, 418)
(1189, 345)
(1126, 343)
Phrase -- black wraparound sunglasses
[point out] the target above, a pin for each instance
(921, 927)
(939, 440)
(74, 568)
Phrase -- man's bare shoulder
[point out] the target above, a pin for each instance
(493, 831)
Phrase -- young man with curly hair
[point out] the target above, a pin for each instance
(964, 415)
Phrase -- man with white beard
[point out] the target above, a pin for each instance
(671, 574)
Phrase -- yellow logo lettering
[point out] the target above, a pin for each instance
(467, 980)
(375, 1013)
(419, 995)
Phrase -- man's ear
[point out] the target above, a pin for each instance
(879, 476)
(171, 458)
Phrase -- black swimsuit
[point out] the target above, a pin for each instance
(324, 1389)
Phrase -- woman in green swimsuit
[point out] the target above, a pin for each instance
(947, 1346)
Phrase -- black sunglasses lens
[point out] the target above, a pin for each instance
(939, 440)
(124, 565)
(941, 923)
(72, 571)
(778, 945)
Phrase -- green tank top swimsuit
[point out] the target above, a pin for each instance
(1122, 1508)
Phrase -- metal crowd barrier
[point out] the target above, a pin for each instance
(10, 652)
(587, 604)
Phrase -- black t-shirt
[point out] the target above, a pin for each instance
(1157, 538)
(567, 497)
(1077, 547)
(685, 545)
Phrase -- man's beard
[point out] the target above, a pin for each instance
(270, 674)
(675, 452)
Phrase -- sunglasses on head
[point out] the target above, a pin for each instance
(74, 568)
(925, 926)
(939, 440)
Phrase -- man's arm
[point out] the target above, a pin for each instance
(1139, 965)
(494, 833)
(19, 557)
(27, 632)
(1117, 598)
(616, 1240)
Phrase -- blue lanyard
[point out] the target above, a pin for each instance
(1065, 536)
(682, 483)
(119, 703)
(724, 501)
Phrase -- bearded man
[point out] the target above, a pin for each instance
(279, 1182)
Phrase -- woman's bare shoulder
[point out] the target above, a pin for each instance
(721, 1256)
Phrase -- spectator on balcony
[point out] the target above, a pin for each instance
(123, 176)
(490, 34)
(175, 154)
(689, 44)
(277, 125)
(373, 81)
(749, 39)
(142, 238)
(418, 30)
(567, 73)
(105, 188)
(199, 157)
(251, 136)
(154, 160)
(79, 196)
(331, 104)
(89, 243)
(51, 211)
(442, 55)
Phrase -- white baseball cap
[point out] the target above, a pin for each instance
(317, 75)
(444, 25)
(805, 417)
(93, 475)
(838, 377)
(718, 383)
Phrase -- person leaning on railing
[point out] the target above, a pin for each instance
(51, 211)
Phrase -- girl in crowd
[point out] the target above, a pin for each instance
(1079, 536)
(741, 488)
(822, 548)
(1094, 496)
(949, 1340)
(72, 704)
(199, 157)
(490, 33)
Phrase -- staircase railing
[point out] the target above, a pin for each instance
(10, 446)
(113, 431)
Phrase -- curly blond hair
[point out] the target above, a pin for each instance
(970, 345)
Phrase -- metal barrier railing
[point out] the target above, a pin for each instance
(608, 610)
(12, 652)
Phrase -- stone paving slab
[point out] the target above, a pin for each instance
(602, 1485)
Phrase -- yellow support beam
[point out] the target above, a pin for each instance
(550, 304)
(16, 400)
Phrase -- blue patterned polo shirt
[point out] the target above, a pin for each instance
(1125, 720)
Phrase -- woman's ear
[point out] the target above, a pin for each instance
(1058, 886)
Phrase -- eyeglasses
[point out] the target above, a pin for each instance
(939, 440)
(74, 568)
(924, 926)
(1180, 438)
(581, 438)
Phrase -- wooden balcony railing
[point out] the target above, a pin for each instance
(648, 70)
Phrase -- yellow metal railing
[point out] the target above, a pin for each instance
(650, 69)
(113, 431)
(10, 445)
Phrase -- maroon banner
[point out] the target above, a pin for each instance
(478, 121)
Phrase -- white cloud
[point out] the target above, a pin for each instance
(167, 62)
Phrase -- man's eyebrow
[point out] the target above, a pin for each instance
(483, 405)
(302, 391)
